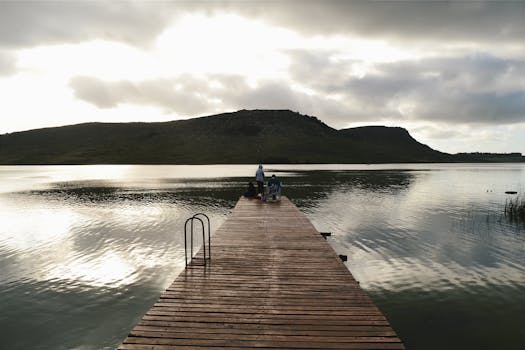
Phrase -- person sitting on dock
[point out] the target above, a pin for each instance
(274, 187)
(250, 192)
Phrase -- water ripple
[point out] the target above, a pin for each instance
(431, 245)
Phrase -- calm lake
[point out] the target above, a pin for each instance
(86, 250)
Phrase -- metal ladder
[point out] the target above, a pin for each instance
(194, 261)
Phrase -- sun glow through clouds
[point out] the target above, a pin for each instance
(224, 44)
(343, 66)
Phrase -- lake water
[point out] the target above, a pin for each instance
(86, 250)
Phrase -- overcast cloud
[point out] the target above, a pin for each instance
(33, 23)
(30, 23)
(480, 21)
(441, 69)
(7, 63)
(188, 95)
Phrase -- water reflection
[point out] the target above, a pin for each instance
(438, 235)
(473, 317)
(92, 247)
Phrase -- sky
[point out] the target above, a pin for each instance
(451, 72)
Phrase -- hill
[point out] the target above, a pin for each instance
(246, 136)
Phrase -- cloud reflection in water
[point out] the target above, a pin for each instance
(79, 242)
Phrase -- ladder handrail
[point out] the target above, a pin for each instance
(209, 233)
(190, 220)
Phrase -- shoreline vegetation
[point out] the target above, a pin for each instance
(242, 137)
(515, 209)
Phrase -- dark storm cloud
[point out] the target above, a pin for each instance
(35, 23)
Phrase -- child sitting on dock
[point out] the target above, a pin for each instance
(274, 187)
(250, 192)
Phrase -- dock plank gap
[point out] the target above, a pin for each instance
(273, 283)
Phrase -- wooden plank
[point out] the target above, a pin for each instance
(273, 283)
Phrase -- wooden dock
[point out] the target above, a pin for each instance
(273, 283)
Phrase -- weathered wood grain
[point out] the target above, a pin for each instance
(273, 283)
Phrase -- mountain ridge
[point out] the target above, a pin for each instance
(241, 137)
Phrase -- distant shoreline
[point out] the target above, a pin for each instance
(266, 164)
(242, 137)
